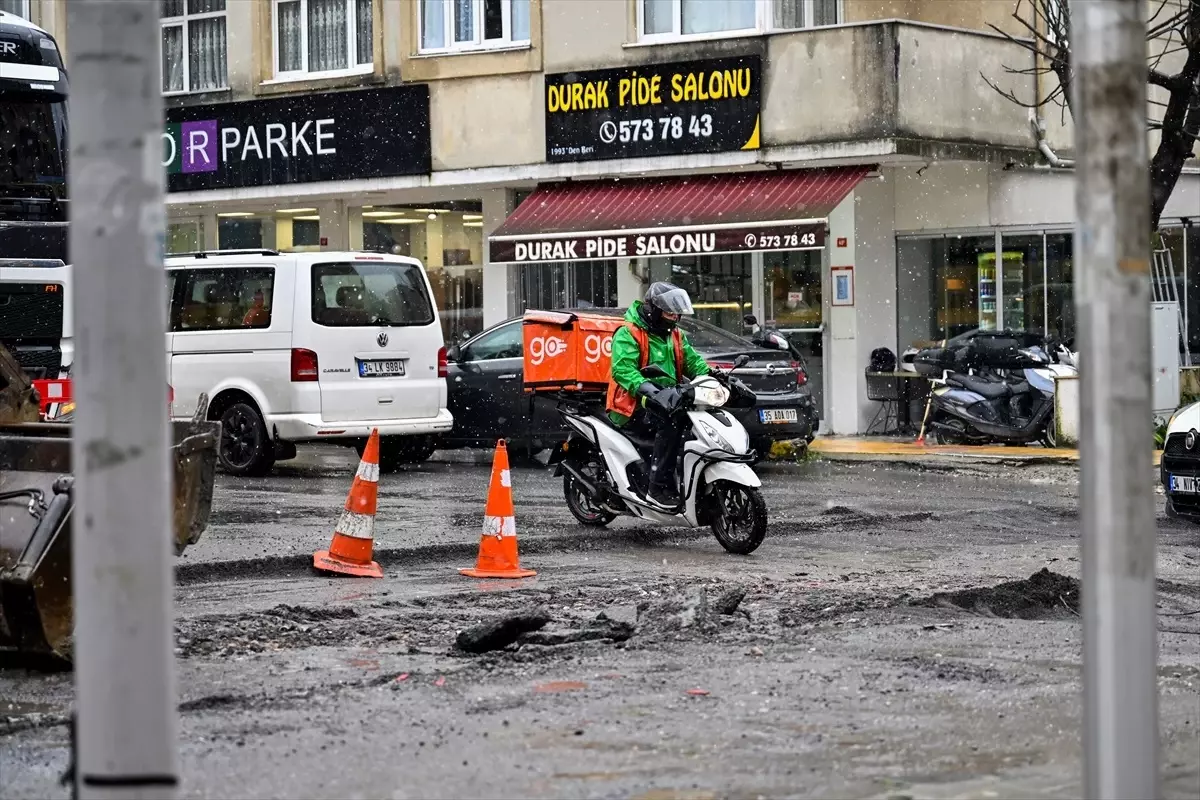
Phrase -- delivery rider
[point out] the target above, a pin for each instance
(650, 336)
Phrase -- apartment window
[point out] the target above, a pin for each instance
(448, 25)
(672, 19)
(323, 37)
(18, 7)
(194, 57)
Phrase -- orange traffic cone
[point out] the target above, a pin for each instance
(498, 544)
(354, 537)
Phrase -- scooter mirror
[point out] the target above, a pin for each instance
(741, 361)
(750, 319)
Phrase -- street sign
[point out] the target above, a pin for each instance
(708, 106)
(330, 136)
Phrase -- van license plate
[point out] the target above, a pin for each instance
(775, 416)
(1184, 484)
(380, 369)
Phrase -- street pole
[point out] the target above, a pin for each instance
(1112, 250)
(122, 574)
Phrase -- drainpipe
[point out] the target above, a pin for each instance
(1039, 131)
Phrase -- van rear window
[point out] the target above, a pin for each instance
(361, 294)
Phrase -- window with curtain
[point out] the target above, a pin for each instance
(18, 7)
(448, 25)
(194, 56)
(664, 19)
(323, 36)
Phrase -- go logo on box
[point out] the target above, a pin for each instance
(596, 346)
(544, 347)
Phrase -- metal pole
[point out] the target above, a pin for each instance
(124, 664)
(1112, 245)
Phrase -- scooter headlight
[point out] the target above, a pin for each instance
(717, 439)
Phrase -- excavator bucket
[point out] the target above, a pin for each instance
(36, 504)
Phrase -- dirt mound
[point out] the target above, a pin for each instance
(1043, 595)
(311, 613)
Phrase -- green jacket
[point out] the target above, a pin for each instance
(626, 359)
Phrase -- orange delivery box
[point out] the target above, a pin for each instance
(568, 350)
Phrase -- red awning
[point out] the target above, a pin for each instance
(735, 212)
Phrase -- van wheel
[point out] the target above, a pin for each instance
(246, 448)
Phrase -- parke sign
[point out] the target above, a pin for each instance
(650, 244)
(298, 139)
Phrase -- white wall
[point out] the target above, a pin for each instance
(842, 396)
(875, 207)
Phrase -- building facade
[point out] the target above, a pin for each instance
(840, 168)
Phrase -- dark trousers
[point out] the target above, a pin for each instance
(667, 434)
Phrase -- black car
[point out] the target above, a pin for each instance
(488, 399)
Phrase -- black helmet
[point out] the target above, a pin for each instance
(664, 297)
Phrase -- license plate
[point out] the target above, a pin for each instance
(776, 416)
(1183, 484)
(380, 369)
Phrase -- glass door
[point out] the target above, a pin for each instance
(793, 305)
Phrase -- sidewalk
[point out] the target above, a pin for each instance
(888, 449)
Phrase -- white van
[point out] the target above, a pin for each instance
(299, 347)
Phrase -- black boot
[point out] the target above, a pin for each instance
(664, 494)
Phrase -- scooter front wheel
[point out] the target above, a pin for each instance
(739, 518)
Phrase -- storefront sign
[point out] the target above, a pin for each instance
(299, 139)
(654, 110)
(651, 244)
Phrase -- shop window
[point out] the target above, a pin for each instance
(184, 237)
(1060, 286)
(1023, 282)
(194, 57)
(577, 284)
(239, 233)
(660, 20)
(720, 286)
(306, 233)
(322, 38)
(18, 7)
(456, 25)
(221, 299)
(448, 239)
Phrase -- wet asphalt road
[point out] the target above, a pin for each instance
(833, 679)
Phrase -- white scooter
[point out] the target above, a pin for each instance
(605, 474)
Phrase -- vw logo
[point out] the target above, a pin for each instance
(382, 338)
(1190, 441)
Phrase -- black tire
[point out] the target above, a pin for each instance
(398, 451)
(1048, 436)
(581, 506)
(739, 517)
(246, 447)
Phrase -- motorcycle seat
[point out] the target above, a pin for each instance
(992, 390)
(641, 443)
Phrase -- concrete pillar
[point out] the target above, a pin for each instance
(874, 278)
(335, 228)
(629, 285)
(499, 280)
(354, 219)
(210, 232)
(841, 362)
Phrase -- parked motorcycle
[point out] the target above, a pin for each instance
(606, 475)
(1008, 401)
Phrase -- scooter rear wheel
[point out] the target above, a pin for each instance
(581, 506)
(739, 518)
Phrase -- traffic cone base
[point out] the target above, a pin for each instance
(324, 561)
(498, 544)
(354, 537)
